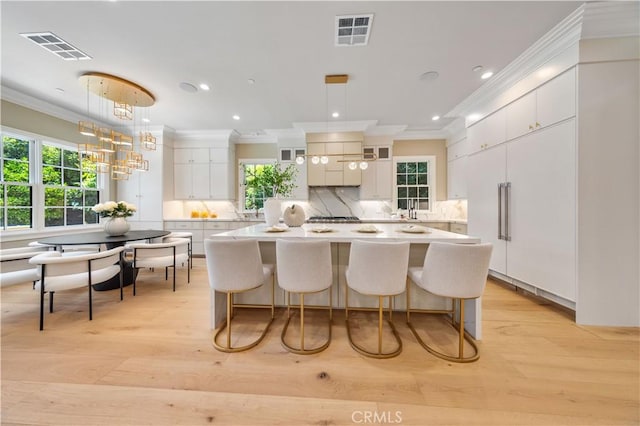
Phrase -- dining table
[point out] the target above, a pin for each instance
(110, 241)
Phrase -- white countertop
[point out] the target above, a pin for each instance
(347, 232)
(363, 220)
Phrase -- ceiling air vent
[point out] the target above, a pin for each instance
(353, 30)
(57, 46)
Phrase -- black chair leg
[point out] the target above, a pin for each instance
(51, 302)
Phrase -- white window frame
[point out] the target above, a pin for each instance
(431, 159)
(241, 185)
(38, 228)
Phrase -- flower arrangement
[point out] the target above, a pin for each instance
(113, 209)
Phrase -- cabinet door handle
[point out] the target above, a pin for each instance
(530, 127)
(500, 236)
(537, 124)
(507, 208)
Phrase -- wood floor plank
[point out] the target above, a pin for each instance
(149, 360)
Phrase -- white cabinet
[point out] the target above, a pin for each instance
(335, 172)
(485, 170)
(144, 190)
(550, 103)
(539, 213)
(203, 174)
(488, 132)
(191, 181)
(456, 170)
(457, 179)
(377, 179)
(541, 171)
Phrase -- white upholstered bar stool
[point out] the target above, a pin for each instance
(235, 266)
(456, 271)
(304, 267)
(377, 269)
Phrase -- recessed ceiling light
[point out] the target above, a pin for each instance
(146, 120)
(59, 90)
(335, 114)
(435, 118)
(251, 81)
(486, 75)
(477, 68)
(204, 86)
(429, 75)
(188, 87)
(473, 117)
(236, 117)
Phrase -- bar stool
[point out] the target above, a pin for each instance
(456, 271)
(304, 267)
(188, 236)
(235, 266)
(377, 269)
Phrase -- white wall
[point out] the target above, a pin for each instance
(608, 185)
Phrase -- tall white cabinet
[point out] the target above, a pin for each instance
(203, 173)
(145, 190)
(536, 212)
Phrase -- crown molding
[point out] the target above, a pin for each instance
(201, 135)
(254, 138)
(27, 101)
(558, 39)
(290, 133)
(420, 134)
(611, 19)
(390, 130)
(338, 126)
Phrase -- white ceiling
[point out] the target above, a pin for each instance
(286, 47)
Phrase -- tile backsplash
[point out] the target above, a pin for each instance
(323, 201)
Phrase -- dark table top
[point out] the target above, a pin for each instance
(102, 237)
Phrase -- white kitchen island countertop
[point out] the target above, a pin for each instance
(347, 232)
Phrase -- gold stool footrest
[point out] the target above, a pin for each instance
(379, 354)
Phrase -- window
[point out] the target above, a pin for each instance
(252, 197)
(45, 185)
(16, 202)
(70, 187)
(414, 182)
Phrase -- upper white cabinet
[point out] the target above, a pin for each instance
(377, 179)
(457, 179)
(203, 174)
(550, 103)
(336, 172)
(488, 132)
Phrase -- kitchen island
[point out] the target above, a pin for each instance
(341, 235)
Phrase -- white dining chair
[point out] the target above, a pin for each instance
(377, 269)
(186, 235)
(15, 267)
(456, 271)
(235, 266)
(167, 254)
(304, 267)
(57, 272)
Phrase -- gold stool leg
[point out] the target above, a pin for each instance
(379, 354)
(302, 350)
(462, 336)
(227, 326)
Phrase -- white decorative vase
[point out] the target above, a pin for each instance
(272, 211)
(116, 226)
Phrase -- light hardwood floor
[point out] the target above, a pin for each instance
(149, 360)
